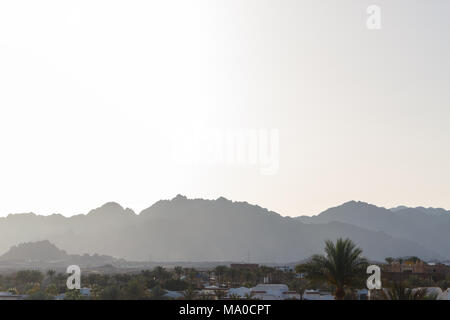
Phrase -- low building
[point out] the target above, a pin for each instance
(397, 271)
(6, 295)
(61, 296)
(317, 295)
(445, 295)
(85, 292)
(273, 292)
(362, 294)
(174, 295)
(213, 292)
(241, 293)
(285, 268)
(429, 291)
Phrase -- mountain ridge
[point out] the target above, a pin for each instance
(205, 230)
(427, 227)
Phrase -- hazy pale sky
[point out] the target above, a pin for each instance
(93, 95)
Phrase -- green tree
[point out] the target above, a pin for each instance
(52, 290)
(220, 294)
(110, 293)
(341, 266)
(178, 271)
(135, 290)
(399, 291)
(157, 293)
(189, 293)
(29, 276)
(234, 296)
(51, 274)
(413, 259)
(95, 291)
(299, 286)
(34, 289)
(191, 274)
(220, 271)
(40, 295)
(73, 294)
(175, 285)
(161, 274)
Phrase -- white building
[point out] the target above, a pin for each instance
(362, 294)
(273, 292)
(285, 268)
(61, 296)
(430, 291)
(445, 295)
(5, 295)
(317, 295)
(174, 295)
(85, 292)
(241, 292)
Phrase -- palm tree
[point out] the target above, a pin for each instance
(399, 291)
(342, 266)
(234, 296)
(157, 293)
(413, 259)
(248, 296)
(135, 290)
(220, 272)
(160, 273)
(219, 294)
(233, 276)
(299, 286)
(51, 273)
(189, 293)
(191, 275)
(52, 290)
(178, 271)
(73, 294)
(110, 293)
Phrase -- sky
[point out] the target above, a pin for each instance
(126, 101)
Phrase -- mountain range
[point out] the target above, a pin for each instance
(427, 227)
(184, 229)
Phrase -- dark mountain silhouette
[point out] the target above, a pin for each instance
(37, 251)
(428, 227)
(184, 229)
(428, 211)
(44, 253)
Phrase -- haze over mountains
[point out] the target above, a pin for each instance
(184, 229)
(428, 227)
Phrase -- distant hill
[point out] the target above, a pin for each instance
(37, 251)
(195, 230)
(44, 253)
